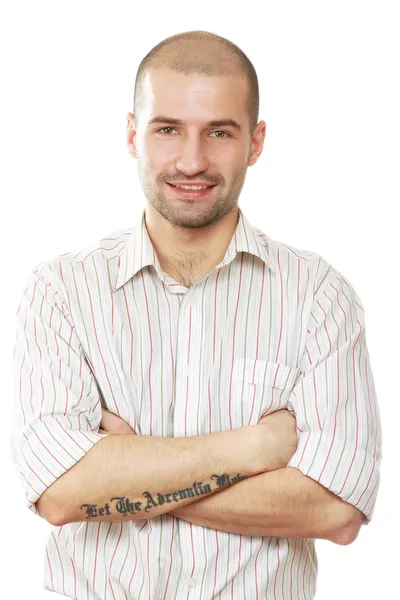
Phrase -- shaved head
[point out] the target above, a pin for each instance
(204, 53)
(194, 123)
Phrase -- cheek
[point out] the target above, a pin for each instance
(228, 158)
(158, 157)
(147, 163)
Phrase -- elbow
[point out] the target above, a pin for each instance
(344, 537)
(49, 510)
(348, 534)
(349, 519)
(54, 520)
(48, 513)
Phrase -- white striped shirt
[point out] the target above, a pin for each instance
(270, 327)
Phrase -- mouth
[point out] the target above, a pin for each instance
(185, 193)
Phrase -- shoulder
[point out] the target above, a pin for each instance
(106, 247)
(300, 261)
(64, 272)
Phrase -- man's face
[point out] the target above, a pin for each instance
(193, 151)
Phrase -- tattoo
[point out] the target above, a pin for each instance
(124, 506)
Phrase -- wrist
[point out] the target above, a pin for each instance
(245, 451)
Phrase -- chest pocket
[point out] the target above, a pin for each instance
(261, 387)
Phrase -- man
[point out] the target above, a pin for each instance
(196, 403)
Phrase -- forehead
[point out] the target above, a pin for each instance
(193, 96)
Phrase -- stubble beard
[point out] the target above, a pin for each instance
(191, 214)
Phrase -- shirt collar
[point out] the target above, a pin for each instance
(139, 251)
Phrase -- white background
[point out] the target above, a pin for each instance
(327, 181)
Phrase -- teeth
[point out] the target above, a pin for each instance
(191, 187)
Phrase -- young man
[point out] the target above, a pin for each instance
(239, 362)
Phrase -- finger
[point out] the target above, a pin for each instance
(109, 420)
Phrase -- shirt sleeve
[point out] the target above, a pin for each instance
(57, 409)
(334, 398)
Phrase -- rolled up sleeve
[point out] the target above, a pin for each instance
(334, 398)
(57, 409)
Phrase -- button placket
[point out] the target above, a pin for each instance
(187, 364)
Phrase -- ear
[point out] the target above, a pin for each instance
(131, 135)
(257, 142)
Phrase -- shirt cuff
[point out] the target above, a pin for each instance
(346, 470)
(48, 449)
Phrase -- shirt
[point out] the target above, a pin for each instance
(270, 327)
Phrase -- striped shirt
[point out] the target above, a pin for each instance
(270, 327)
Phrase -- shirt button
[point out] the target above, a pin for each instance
(192, 582)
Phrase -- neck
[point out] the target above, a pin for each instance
(200, 249)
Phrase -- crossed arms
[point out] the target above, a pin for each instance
(69, 473)
(277, 502)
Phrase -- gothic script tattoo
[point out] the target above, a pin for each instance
(124, 506)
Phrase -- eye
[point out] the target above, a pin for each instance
(226, 134)
(163, 128)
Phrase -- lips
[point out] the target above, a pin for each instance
(190, 194)
(196, 184)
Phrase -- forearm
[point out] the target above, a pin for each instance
(282, 503)
(126, 477)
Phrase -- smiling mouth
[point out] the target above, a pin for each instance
(192, 193)
(190, 187)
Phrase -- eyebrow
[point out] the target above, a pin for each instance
(215, 123)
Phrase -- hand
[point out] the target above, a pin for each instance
(113, 424)
(277, 439)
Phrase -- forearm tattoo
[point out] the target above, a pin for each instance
(122, 505)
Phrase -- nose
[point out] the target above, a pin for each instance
(192, 158)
